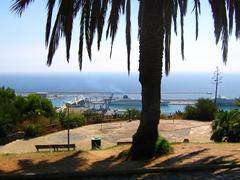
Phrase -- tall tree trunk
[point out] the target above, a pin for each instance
(150, 68)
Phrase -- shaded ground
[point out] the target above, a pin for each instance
(199, 152)
(111, 133)
(187, 155)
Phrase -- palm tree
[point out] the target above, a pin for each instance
(155, 22)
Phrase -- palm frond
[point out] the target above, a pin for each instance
(183, 10)
(54, 41)
(174, 14)
(67, 20)
(117, 6)
(128, 32)
(101, 20)
(168, 16)
(216, 12)
(20, 5)
(230, 5)
(237, 18)
(95, 12)
(50, 6)
(87, 11)
(77, 5)
(80, 50)
(197, 8)
(220, 24)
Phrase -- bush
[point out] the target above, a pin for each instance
(132, 114)
(237, 102)
(32, 130)
(36, 105)
(15, 110)
(226, 126)
(190, 112)
(75, 120)
(206, 109)
(162, 146)
(203, 110)
(6, 126)
(92, 117)
(8, 112)
(178, 115)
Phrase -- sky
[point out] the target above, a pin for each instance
(22, 45)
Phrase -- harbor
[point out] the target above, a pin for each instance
(120, 102)
(108, 101)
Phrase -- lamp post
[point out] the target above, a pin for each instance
(68, 131)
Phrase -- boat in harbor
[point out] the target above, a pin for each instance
(126, 101)
(106, 103)
(81, 101)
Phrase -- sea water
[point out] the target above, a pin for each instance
(64, 87)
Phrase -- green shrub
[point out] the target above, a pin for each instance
(92, 117)
(75, 120)
(206, 109)
(8, 112)
(203, 110)
(124, 154)
(190, 112)
(178, 115)
(36, 105)
(132, 114)
(237, 102)
(32, 130)
(226, 126)
(16, 110)
(6, 126)
(162, 146)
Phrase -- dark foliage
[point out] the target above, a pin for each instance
(16, 109)
(32, 130)
(203, 110)
(226, 126)
(92, 117)
(74, 120)
(131, 114)
(162, 146)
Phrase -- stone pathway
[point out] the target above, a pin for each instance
(111, 133)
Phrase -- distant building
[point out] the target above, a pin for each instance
(42, 94)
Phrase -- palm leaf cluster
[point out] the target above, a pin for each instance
(226, 126)
(223, 12)
(92, 20)
(93, 14)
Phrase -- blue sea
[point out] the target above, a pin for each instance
(68, 86)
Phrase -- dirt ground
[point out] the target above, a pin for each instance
(188, 154)
(21, 156)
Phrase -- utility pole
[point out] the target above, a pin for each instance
(217, 80)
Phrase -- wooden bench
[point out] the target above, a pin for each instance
(55, 147)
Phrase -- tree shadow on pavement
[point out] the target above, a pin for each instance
(111, 165)
(67, 164)
(208, 167)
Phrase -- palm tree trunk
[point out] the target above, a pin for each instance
(150, 68)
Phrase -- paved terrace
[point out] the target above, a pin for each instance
(111, 133)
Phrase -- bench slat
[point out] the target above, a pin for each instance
(55, 146)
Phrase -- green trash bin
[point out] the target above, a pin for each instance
(96, 143)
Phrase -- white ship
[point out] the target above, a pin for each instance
(126, 101)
